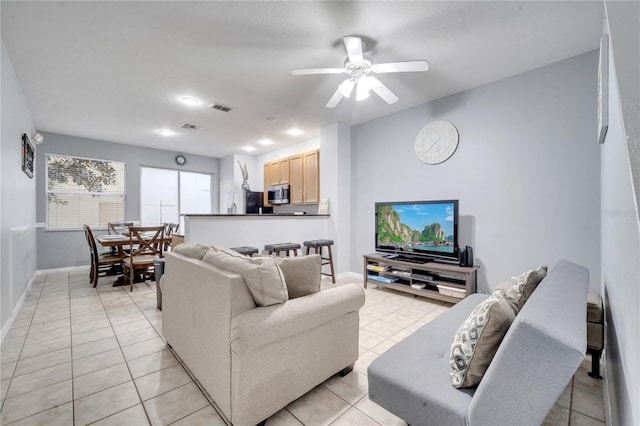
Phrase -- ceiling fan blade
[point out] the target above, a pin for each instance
(409, 66)
(309, 71)
(337, 97)
(382, 90)
(354, 48)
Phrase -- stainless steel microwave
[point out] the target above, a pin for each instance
(278, 194)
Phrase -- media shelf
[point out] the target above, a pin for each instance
(441, 281)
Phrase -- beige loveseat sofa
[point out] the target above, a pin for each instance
(251, 360)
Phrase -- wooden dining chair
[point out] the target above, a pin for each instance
(117, 228)
(102, 264)
(146, 244)
(169, 230)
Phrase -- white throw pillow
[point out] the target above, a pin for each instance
(263, 276)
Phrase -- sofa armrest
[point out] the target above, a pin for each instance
(261, 326)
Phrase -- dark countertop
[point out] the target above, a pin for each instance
(258, 215)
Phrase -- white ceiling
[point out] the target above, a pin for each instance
(115, 71)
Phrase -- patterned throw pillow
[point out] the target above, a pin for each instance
(477, 340)
(524, 286)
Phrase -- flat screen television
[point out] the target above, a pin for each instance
(418, 230)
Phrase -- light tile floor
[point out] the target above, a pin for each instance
(79, 355)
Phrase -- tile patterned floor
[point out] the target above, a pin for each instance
(79, 355)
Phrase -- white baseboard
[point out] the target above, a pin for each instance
(607, 396)
(41, 272)
(7, 326)
(347, 275)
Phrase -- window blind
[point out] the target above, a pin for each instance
(84, 191)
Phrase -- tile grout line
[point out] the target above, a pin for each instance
(22, 346)
(125, 360)
(19, 358)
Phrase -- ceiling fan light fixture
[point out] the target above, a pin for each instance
(346, 87)
(362, 91)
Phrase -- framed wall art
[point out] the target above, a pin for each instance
(28, 157)
(603, 88)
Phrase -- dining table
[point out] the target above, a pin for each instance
(118, 242)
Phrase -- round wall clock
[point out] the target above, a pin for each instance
(436, 142)
(181, 160)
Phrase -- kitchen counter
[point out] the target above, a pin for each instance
(256, 230)
(256, 215)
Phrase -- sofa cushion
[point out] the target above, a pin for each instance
(302, 274)
(411, 379)
(263, 276)
(478, 338)
(194, 251)
(524, 286)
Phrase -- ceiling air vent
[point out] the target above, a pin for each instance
(191, 127)
(220, 107)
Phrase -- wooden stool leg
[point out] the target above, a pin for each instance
(333, 275)
(595, 363)
(308, 250)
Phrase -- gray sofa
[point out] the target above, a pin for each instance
(538, 356)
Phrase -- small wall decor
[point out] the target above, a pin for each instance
(603, 88)
(27, 156)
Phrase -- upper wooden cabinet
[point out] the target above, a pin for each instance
(311, 184)
(297, 179)
(301, 172)
(278, 172)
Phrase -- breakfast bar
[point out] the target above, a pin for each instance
(233, 230)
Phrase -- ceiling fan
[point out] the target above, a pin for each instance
(358, 68)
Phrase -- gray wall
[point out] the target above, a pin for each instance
(620, 221)
(75, 252)
(17, 195)
(526, 171)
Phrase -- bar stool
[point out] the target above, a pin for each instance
(282, 247)
(317, 247)
(595, 332)
(246, 250)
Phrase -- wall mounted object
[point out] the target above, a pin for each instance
(28, 157)
(181, 160)
(603, 88)
(436, 142)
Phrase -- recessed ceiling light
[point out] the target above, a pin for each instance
(248, 148)
(265, 142)
(271, 119)
(188, 100)
(295, 132)
(165, 132)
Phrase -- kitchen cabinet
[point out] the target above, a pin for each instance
(297, 179)
(311, 179)
(267, 182)
(278, 172)
(301, 172)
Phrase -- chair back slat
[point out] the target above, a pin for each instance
(116, 228)
(146, 240)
